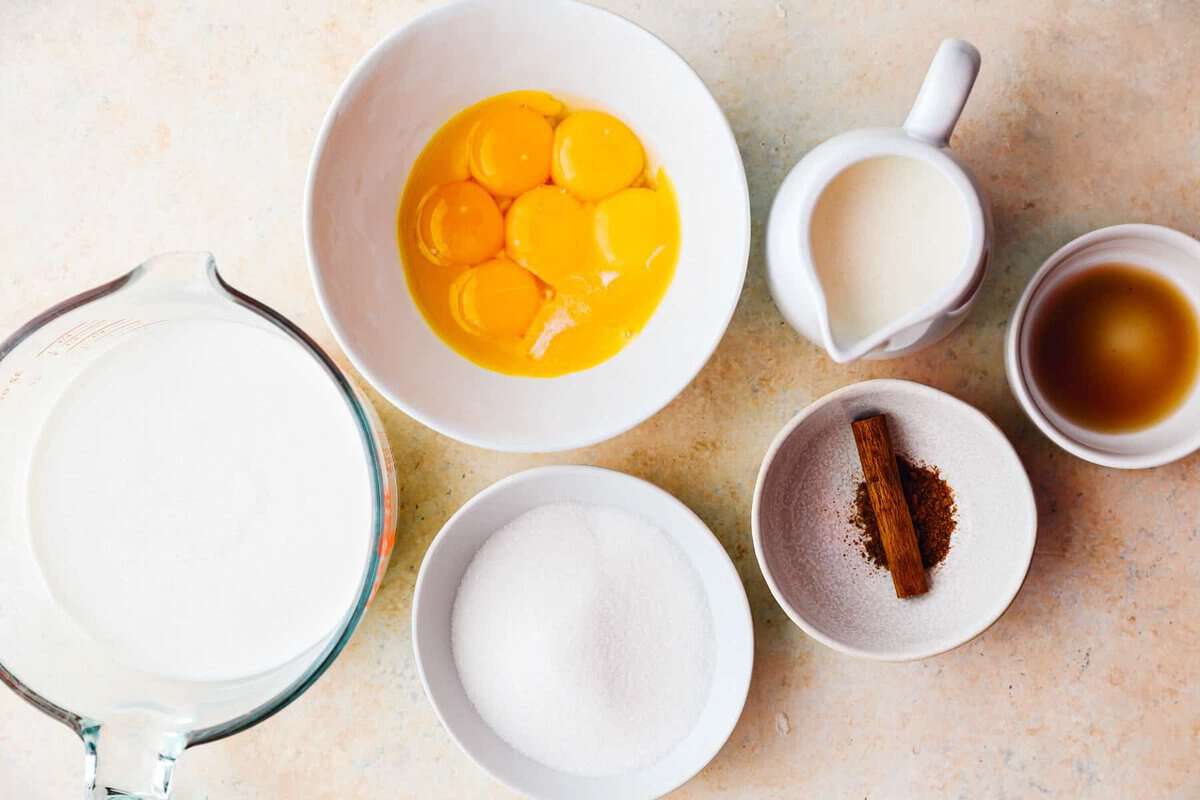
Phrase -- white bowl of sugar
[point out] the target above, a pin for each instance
(582, 634)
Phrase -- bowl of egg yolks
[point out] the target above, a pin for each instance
(527, 223)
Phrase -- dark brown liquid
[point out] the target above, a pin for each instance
(1115, 348)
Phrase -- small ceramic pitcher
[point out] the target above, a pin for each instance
(791, 273)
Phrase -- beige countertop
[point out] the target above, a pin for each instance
(134, 128)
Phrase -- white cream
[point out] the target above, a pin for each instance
(888, 234)
(200, 501)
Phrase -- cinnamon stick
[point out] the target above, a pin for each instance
(891, 509)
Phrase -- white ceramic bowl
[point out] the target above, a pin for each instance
(437, 585)
(1173, 255)
(806, 545)
(389, 107)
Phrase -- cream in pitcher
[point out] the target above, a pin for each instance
(878, 239)
(887, 234)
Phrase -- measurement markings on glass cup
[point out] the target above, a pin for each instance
(89, 332)
(79, 336)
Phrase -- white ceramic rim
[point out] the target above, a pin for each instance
(738, 599)
(1004, 448)
(843, 151)
(1013, 365)
(563, 442)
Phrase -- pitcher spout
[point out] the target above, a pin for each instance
(891, 338)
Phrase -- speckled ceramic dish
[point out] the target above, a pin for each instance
(808, 549)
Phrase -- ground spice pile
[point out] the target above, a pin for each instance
(931, 503)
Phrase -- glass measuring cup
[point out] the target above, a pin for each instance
(134, 723)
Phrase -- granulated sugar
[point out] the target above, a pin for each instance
(584, 639)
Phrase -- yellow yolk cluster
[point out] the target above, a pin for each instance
(534, 241)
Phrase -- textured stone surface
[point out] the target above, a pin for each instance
(133, 128)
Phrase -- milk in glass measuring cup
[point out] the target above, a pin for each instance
(195, 507)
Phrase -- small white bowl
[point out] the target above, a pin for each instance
(405, 89)
(437, 586)
(807, 547)
(1173, 255)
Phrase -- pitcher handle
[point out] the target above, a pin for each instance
(944, 92)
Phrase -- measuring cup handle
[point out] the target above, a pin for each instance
(124, 760)
(944, 92)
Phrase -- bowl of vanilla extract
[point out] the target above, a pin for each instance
(1103, 350)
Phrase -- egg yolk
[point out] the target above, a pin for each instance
(510, 150)
(595, 154)
(546, 231)
(545, 104)
(497, 298)
(632, 229)
(458, 223)
(533, 238)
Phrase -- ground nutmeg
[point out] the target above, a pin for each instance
(931, 504)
